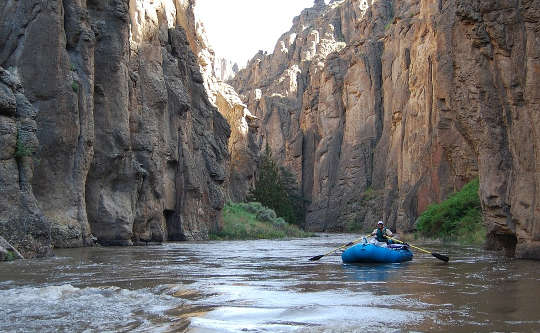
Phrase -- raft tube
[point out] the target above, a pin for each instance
(371, 253)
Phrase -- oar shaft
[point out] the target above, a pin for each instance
(419, 249)
(414, 247)
(436, 255)
(342, 246)
(334, 250)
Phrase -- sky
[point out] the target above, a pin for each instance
(238, 29)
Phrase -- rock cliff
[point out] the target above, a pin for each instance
(116, 124)
(22, 222)
(242, 146)
(131, 149)
(407, 101)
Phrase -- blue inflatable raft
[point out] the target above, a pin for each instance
(366, 252)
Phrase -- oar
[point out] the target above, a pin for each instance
(336, 249)
(436, 255)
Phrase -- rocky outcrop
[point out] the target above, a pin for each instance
(131, 150)
(495, 103)
(224, 69)
(307, 96)
(22, 223)
(242, 145)
(409, 99)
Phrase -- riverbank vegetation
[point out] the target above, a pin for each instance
(459, 218)
(254, 221)
(277, 188)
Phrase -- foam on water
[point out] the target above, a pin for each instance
(49, 308)
(248, 307)
(265, 286)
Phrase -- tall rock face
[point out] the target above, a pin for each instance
(405, 102)
(22, 223)
(131, 150)
(242, 145)
(495, 100)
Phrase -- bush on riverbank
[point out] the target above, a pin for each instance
(277, 188)
(458, 218)
(254, 221)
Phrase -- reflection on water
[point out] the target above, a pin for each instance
(373, 273)
(267, 286)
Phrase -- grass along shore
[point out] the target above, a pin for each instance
(458, 218)
(254, 221)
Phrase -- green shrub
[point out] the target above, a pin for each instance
(22, 150)
(457, 218)
(10, 256)
(369, 194)
(267, 215)
(75, 86)
(276, 187)
(280, 222)
(253, 207)
(240, 222)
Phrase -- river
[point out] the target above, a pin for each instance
(266, 286)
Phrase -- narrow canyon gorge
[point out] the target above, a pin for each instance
(119, 125)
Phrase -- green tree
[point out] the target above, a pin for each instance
(294, 195)
(276, 188)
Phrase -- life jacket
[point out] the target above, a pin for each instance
(380, 235)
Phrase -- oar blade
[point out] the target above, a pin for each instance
(440, 256)
(316, 257)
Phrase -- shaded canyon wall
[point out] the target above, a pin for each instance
(122, 144)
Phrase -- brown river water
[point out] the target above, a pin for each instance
(267, 286)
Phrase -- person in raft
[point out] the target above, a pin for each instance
(380, 232)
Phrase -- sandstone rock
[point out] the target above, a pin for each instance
(302, 93)
(168, 144)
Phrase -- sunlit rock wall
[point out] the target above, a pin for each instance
(242, 146)
(407, 100)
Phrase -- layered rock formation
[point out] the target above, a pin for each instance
(410, 99)
(131, 150)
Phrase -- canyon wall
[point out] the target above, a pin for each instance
(22, 222)
(381, 107)
(120, 141)
(116, 124)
